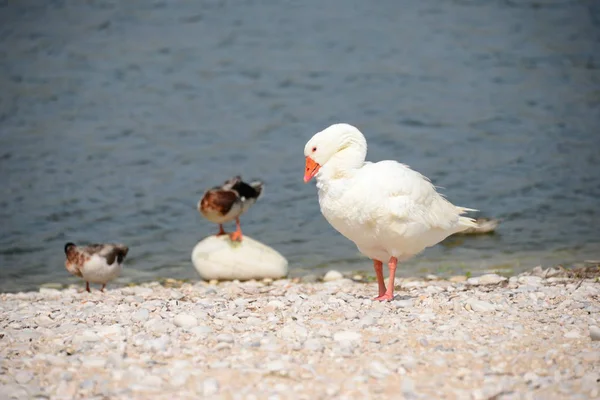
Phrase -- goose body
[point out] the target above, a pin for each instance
(388, 210)
(96, 263)
(228, 202)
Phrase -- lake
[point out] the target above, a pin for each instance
(116, 116)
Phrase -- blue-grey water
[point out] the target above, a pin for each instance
(115, 116)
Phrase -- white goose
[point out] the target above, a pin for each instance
(388, 210)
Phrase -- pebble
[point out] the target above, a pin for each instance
(574, 334)
(186, 321)
(313, 345)
(408, 303)
(480, 305)
(201, 330)
(594, 333)
(225, 338)
(294, 331)
(23, 377)
(141, 315)
(487, 279)
(332, 276)
(347, 336)
(125, 343)
(275, 305)
(378, 370)
(530, 280)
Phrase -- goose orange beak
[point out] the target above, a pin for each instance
(311, 169)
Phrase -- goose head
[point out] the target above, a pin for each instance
(339, 147)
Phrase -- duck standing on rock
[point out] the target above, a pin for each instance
(388, 210)
(96, 263)
(225, 203)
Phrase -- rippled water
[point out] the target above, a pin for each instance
(115, 116)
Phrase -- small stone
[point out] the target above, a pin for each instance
(347, 336)
(86, 337)
(332, 276)
(141, 315)
(378, 370)
(313, 345)
(158, 326)
(408, 388)
(275, 305)
(457, 278)
(487, 279)
(350, 314)
(594, 333)
(210, 387)
(186, 321)
(480, 305)
(574, 334)
(111, 331)
(23, 377)
(201, 330)
(276, 366)
(93, 362)
(294, 331)
(530, 280)
(408, 303)
(225, 338)
(368, 320)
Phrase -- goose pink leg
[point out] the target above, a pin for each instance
(389, 293)
(378, 266)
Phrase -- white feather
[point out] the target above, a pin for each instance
(97, 270)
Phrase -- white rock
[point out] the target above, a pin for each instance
(481, 306)
(313, 345)
(276, 366)
(93, 362)
(487, 279)
(217, 257)
(594, 333)
(111, 331)
(201, 330)
(86, 336)
(530, 280)
(294, 331)
(408, 303)
(22, 377)
(185, 321)
(347, 336)
(141, 315)
(210, 387)
(275, 305)
(332, 276)
(378, 370)
(225, 338)
(158, 326)
(574, 334)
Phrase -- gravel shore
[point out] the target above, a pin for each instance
(531, 336)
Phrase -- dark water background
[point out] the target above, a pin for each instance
(116, 115)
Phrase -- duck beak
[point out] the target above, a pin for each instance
(311, 169)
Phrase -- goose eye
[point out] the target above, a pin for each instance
(314, 149)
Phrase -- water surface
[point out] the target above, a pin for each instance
(116, 116)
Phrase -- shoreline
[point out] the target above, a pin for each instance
(532, 335)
